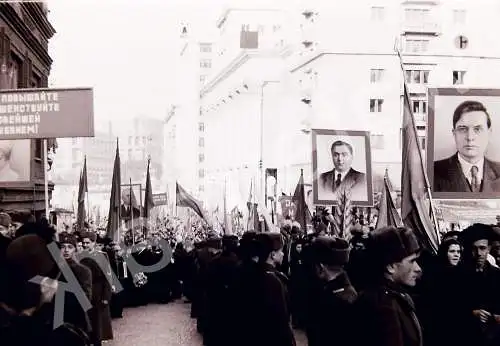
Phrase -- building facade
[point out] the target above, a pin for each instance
(184, 124)
(264, 100)
(24, 35)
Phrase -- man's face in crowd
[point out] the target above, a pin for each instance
(480, 251)
(471, 135)
(88, 244)
(79, 246)
(454, 253)
(342, 158)
(495, 251)
(277, 256)
(407, 271)
(68, 251)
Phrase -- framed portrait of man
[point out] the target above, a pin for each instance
(15, 161)
(463, 152)
(131, 201)
(341, 165)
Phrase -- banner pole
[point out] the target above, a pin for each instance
(46, 177)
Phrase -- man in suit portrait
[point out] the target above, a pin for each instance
(129, 206)
(468, 170)
(342, 177)
(6, 171)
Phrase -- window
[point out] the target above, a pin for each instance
(201, 188)
(377, 141)
(205, 47)
(205, 63)
(377, 13)
(203, 78)
(201, 158)
(201, 173)
(417, 76)
(416, 46)
(129, 140)
(130, 155)
(459, 16)
(137, 140)
(419, 106)
(417, 15)
(376, 105)
(201, 127)
(201, 142)
(376, 75)
(458, 77)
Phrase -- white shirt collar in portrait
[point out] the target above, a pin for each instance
(342, 174)
(466, 168)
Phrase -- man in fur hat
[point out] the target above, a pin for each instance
(481, 286)
(98, 263)
(385, 311)
(73, 310)
(331, 307)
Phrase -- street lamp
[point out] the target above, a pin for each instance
(261, 163)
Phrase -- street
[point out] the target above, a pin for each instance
(165, 325)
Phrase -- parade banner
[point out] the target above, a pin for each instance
(46, 113)
(342, 164)
(463, 151)
(160, 198)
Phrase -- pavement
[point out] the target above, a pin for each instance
(161, 325)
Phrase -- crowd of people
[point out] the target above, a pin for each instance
(378, 288)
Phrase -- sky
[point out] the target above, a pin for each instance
(126, 50)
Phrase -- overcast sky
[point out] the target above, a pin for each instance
(126, 50)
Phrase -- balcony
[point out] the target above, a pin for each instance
(421, 28)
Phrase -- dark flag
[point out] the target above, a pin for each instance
(253, 223)
(414, 183)
(184, 199)
(82, 190)
(387, 213)
(302, 213)
(115, 200)
(148, 195)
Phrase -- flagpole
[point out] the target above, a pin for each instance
(118, 235)
(46, 178)
(131, 212)
(426, 178)
(87, 188)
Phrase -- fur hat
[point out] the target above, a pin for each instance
(67, 238)
(91, 235)
(330, 250)
(269, 242)
(28, 256)
(391, 245)
(214, 242)
(477, 231)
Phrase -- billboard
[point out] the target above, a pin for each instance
(46, 113)
(160, 199)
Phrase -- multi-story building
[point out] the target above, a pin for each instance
(269, 97)
(184, 124)
(24, 34)
(99, 152)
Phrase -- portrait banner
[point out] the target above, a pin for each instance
(46, 113)
(341, 164)
(15, 161)
(131, 202)
(463, 151)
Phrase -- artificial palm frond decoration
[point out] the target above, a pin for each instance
(343, 215)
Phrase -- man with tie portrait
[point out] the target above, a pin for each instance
(468, 170)
(342, 177)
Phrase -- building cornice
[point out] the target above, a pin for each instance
(25, 34)
(237, 62)
(310, 59)
(36, 11)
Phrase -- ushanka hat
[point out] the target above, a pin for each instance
(329, 251)
(268, 242)
(67, 238)
(477, 231)
(392, 244)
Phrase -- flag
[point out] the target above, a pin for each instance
(414, 183)
(253, 223)
(82, 190)
(115, 199)
(184, 199)
(226, 225)
(299, 198)
(387, 213)
(249, 39)
(148, 195)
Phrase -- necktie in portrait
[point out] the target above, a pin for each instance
(475, 185)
